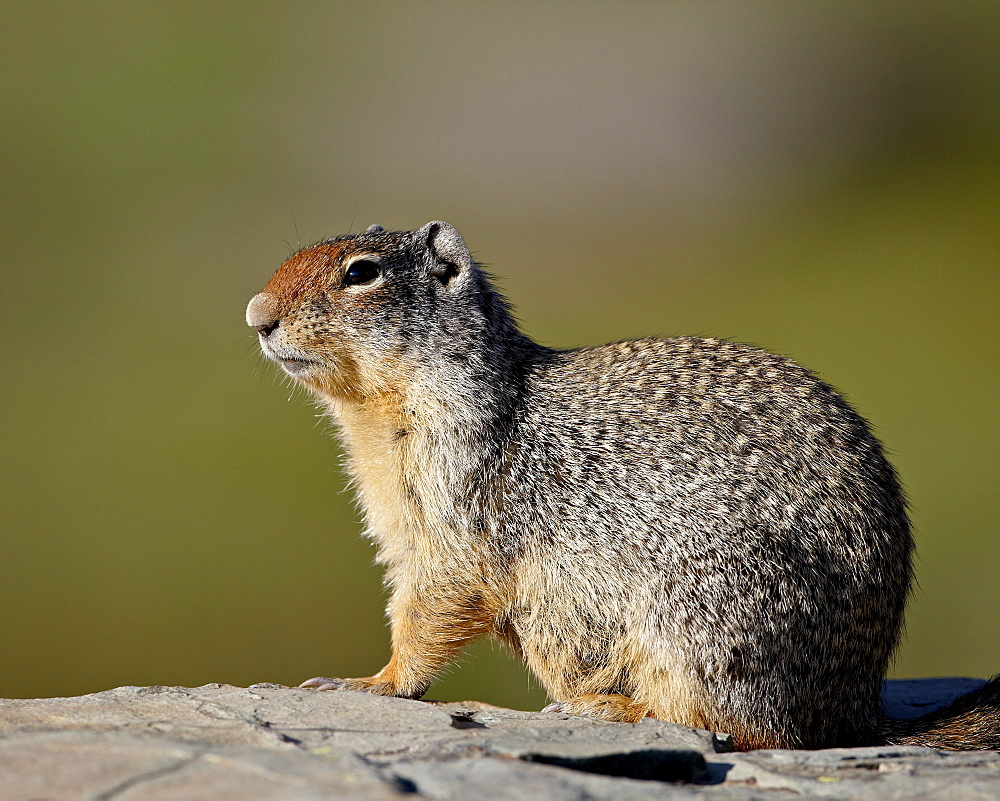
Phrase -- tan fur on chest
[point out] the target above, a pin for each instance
(382, 469)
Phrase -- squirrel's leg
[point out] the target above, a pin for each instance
(612, 707)
(429, 630)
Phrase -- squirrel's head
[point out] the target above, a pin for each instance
(353, 317)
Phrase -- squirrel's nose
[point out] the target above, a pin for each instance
(261, 314)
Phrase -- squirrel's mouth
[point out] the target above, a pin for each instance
(294, 366)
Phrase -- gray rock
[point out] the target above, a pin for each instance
(269, 741)
(888, 772)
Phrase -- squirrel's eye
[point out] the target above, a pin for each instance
(361, 271)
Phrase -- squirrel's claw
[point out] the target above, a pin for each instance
(321, 683)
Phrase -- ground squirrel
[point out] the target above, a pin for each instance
(688, 529)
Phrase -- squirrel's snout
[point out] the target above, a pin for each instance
(261, 314)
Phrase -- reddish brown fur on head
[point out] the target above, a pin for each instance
(302, 274)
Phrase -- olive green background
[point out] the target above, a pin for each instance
(821, 179)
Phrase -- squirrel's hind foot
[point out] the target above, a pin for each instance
(613, 707)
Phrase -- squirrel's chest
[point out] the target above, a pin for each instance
(381, 471)
(401, 481)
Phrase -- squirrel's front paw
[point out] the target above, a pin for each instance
(611, 707)
(369, 684)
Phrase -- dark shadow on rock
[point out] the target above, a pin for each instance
(716, 772)
(404, 785)
(651, 764)
(463, 720)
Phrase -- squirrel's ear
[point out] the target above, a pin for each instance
(450, 258)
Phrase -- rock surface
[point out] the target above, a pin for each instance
(272, 742)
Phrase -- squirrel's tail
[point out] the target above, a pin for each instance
(969, 723)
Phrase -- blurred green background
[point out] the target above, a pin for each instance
(821, 179)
